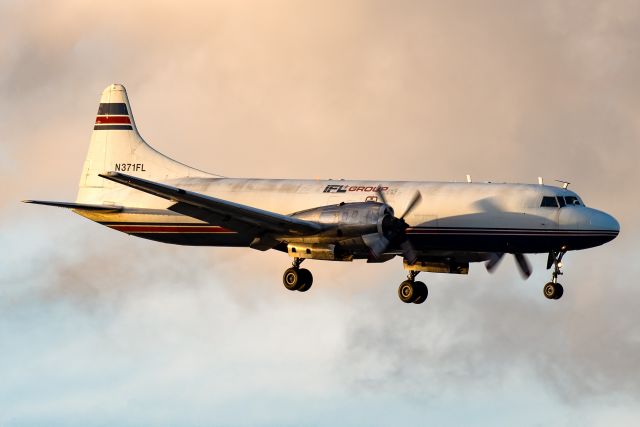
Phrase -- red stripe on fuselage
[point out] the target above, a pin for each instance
(169, 229)
(101, 120)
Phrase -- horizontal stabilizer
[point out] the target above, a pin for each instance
(78, 206)
(232, 215)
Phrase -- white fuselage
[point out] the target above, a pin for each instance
(465, 217)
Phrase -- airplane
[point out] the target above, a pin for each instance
(128, 186)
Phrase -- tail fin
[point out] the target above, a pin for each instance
(116, 145)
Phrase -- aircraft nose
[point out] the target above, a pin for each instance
(603, 221)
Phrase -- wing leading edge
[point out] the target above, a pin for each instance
(235, 216)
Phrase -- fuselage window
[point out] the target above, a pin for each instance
(561, 201)
(549, 202)
(572, 201)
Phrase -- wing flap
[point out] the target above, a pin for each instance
(218, 211)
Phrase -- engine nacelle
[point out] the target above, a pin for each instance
(349, 219)
(352, 230)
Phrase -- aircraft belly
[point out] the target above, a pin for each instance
(456, 242)
(168, 227)
(190, 234)
(504, 240)
(198, 239)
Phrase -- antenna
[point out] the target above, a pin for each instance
(469, 179)
(540, 181)
(565, 184)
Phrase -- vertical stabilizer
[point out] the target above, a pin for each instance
(117, 146)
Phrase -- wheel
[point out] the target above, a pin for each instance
(559, 291)
(407, 292)
(422, 291)
(306, 278)
(291, 279)
(549, 290)
(552, 290)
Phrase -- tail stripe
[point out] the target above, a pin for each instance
(112, 127)
(112, 108)
(112, 119)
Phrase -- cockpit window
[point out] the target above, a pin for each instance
(549, 202)
(572, 200)
(559, 201)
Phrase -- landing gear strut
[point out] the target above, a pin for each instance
(296, 278)
(411, 291)
(553, 289)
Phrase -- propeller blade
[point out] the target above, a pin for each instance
(408, 252)
(494, 261)
(412, 204)
(381, 195)
(376, 243)
(550, 259)
(523, 264)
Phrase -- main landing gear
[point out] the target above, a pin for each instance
(553, 289)
(296, 278)
(411, 291)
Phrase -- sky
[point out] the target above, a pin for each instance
(98, 328)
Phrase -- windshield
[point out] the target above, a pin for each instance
(572, 201)
(559, 201)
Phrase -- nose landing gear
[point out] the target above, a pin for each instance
(553, 289)
(296, 278)
(411, 291)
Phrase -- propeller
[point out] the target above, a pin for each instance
(523, 264)
(394, 231)
(494, 261)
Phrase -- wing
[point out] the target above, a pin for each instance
(234, 216)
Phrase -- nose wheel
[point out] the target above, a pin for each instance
(296, 278)
(411, 291)
(553, 289)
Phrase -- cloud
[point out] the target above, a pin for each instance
(482, 333)
(132, 321)
(409, 90)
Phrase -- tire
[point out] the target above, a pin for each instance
(407, 292)
(559, 291)
(550, 290)
(422, 291)
(291, 279)
(306, 278)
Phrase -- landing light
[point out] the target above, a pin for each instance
(560, 265)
